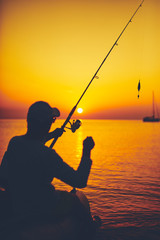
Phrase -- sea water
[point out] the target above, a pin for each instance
(124, 182)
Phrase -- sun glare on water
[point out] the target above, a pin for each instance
(79, 110)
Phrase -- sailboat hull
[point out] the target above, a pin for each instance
(151, 119)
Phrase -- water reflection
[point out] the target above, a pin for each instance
(79, 141)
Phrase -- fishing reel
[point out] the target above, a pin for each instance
(74, 125)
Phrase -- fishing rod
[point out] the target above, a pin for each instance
(76, 124)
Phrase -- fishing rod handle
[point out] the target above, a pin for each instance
(53, 142)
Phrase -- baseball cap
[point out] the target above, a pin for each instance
(42, 112)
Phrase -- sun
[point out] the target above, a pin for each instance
(79, 110)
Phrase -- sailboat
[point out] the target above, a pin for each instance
(152, 118)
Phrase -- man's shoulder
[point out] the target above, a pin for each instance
(15, 139)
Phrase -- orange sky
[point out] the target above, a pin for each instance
(51, 49)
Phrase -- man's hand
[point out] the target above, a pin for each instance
(58, 132)
(88, 145)
(55, 134)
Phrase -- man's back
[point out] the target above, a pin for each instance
(29, 169)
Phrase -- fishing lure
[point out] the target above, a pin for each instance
(139, 87)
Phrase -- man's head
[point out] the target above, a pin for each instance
(40, 118)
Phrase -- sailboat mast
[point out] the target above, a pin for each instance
(153, 104)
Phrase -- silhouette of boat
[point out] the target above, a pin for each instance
(152, 118)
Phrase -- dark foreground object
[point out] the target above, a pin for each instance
(45, 226)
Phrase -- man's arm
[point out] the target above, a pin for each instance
(77, 178)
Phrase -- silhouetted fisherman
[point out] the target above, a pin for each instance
(29, 167)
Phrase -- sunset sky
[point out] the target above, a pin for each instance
(50, 50)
